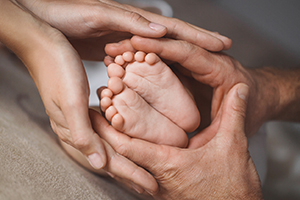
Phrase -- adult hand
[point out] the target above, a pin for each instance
(56, 66)
(59, 75)
(221, 169)
(87, 22)
(216, 70)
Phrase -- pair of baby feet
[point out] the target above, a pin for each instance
(146, 100)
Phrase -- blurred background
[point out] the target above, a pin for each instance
(264, 33)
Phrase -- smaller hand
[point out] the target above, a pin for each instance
(89, 24)
(118, 166)
(59, 75)
(222, 169)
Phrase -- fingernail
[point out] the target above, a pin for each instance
(156, 27)
(138, 189)
(149, 192)
(111, 175)
(243, 91)
(95, 160)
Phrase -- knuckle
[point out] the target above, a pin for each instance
(239, 109)
(62, 132)
(173, 27)
(80, 142)
(122, 149)
(189, 50)
(133, 17)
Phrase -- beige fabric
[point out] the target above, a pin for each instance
(32, 164)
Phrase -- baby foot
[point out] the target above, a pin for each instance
(129, 113)
(155, 82)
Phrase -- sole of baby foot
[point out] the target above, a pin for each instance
(154, 81)
(131, 114)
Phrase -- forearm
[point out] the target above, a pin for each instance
(17, 28)
(25, 35)
(280, 91)
(35, 42)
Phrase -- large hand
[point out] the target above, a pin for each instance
(217, 70)
(222, 169)
(90, 20)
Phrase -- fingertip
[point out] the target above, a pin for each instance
(115, 49)
(96, 161)
(243, 91)
(158, 28)
(234, 108)
(227, 43)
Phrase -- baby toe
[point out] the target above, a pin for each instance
(115, 70)
(116, 85)
(140, 56)
(110, 112)
(118, 122)
(128, 56)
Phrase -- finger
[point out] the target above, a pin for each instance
(181, 30)
(117, 19)
(232, 124)
(199, 61)
(115, 49)
(122, 143)
(198, 37)
(117, 164)
(81, 134)
(227, 42)
(125, 169)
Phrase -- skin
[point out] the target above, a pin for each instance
(273, 95)
(45, 70)
(155, 82)
(53, 36)
(94, 18)
(222, 169)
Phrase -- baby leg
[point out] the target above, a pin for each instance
(129, 113)
(155, 82)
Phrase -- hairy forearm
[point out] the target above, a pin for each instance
(280, 90)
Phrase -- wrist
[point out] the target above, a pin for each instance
(277, 95)
(263, 99)
(288, 83)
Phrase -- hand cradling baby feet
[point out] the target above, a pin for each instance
(146, 100)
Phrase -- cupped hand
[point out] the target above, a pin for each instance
(59, 75)
(87, 22)
(221, 169)
(217, 70)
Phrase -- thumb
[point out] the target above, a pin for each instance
(232, 124)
